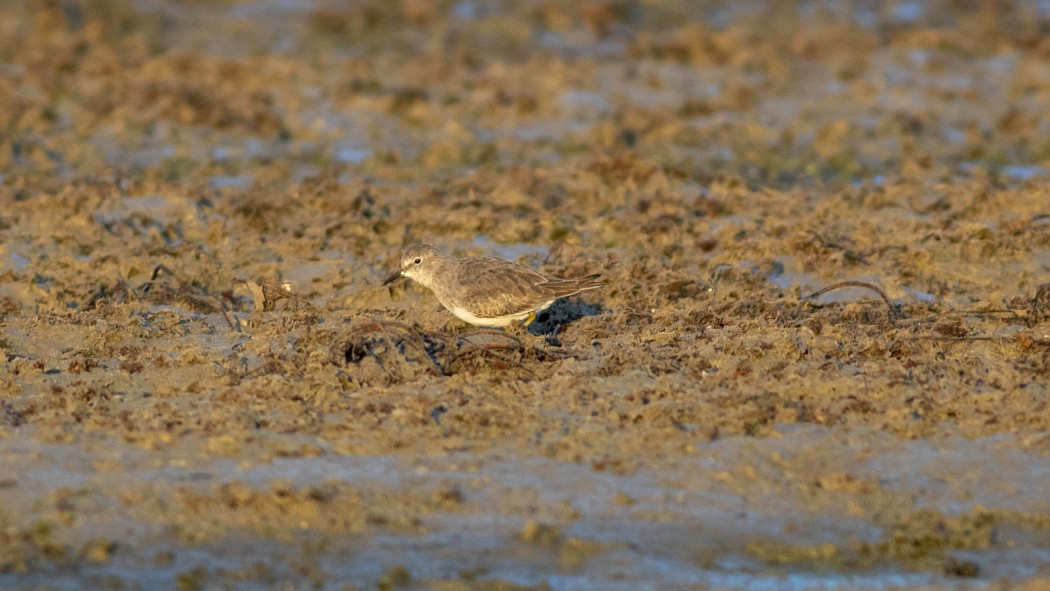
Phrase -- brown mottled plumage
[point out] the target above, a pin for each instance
(486, 291)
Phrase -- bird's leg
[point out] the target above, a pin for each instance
(552, 338)
(519, 328)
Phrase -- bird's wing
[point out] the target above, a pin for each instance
(494, 287)
(560, 288)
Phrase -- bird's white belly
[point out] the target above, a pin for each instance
(466, 316)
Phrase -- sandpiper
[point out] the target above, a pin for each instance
(486, 291)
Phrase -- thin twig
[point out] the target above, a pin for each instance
(862, 284)
(553, 253)
(948, 338)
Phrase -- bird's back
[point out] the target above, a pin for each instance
(490, 287)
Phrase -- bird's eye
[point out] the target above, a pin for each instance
(417, 261)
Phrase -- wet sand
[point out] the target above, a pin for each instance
(203, 384)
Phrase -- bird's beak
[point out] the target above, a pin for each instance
(394, 277)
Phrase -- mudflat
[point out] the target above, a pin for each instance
(821, 358)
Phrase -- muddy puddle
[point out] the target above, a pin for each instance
(820, 361)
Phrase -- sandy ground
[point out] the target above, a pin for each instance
(204, 386)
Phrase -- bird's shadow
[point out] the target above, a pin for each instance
(560, 314)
